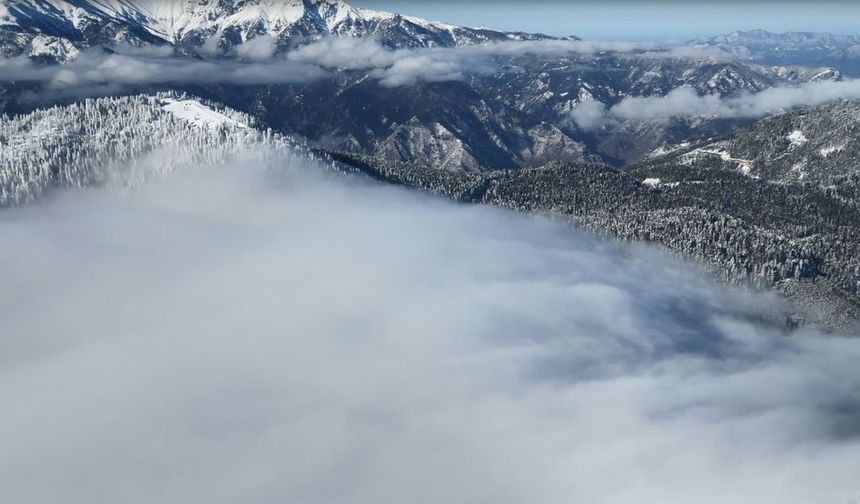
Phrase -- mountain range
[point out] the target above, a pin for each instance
(214, 26)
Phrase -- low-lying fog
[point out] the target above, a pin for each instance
(231, 335)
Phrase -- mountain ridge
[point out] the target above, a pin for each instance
(223, 23)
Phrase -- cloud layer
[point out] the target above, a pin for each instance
(256, 62)
(234, 335)
(94, 68)
(409, 66)
(684, 102)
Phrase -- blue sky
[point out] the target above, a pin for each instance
(634, 20)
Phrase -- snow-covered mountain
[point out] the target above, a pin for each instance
(216, 25)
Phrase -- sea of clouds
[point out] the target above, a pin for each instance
(233, 334)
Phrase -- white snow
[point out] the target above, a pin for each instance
(744, 165)
(826, 151)
(198, 114)
(656, 182)
(273, 13)
(52, 46)
(799, 170)
(5, 17)
(797, 138)
(724, 155)
(424, 23)
(828, 74)
(659, 151)
(171, 20)
(666, 149)
(374, 14)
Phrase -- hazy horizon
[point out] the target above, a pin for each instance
(623, 20)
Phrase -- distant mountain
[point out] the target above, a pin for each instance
(793, 48)
(217, 25)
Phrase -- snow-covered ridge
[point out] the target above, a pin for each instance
(124, 141)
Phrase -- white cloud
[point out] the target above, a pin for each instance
(259, 48)
(344, 53)
(589, 114)
(684, 102)
(211, 46)
(236, 335)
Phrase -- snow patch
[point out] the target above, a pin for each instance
(198, 114)
(797, 138)
(61, 49)
(656, 182)
(666, 149)
(826, 151)
(744, 165)
(799, 170)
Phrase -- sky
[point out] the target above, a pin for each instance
(630, 20)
